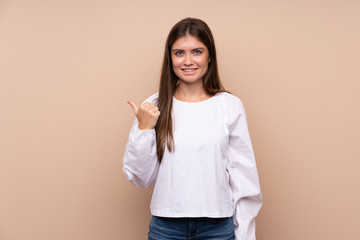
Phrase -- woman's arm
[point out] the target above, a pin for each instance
(140, 158)
(244, 180)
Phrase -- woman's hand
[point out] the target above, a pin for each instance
(147, 114)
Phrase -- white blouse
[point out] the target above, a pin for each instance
(210, 173)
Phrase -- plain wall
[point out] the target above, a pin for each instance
(68, 67)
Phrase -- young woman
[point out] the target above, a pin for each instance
(191, 139)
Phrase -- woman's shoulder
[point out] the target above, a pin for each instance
(231, 105)
(229, 99)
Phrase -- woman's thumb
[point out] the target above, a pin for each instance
(133, 106)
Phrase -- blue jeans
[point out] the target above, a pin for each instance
(162, 228)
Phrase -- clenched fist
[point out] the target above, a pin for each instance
(147, 114)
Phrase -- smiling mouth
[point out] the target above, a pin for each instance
(189, 69)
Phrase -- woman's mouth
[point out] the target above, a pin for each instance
(189, 70)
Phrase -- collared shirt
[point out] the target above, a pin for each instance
(212, 170)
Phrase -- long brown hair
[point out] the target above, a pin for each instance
(168, 80)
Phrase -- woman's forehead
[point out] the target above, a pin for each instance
(188, 42)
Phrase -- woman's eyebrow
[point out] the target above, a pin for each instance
(176, 49)
(199, 48)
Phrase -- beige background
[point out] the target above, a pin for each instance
(68, 67)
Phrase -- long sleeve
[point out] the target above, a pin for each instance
(244, 181)
(140, 163)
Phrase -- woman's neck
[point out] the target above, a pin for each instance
(190, 92)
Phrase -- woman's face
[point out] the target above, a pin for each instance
(190, 58)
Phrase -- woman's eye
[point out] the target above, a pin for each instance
(197, 52)
(178, 53)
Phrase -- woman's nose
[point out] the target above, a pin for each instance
(188, 60)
